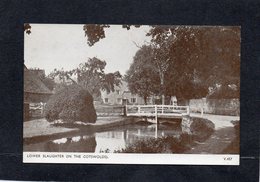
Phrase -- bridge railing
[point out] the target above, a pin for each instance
(152, 110)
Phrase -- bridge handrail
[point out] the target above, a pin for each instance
(157, 106)
(158, 109)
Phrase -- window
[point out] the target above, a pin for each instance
(133, 100)
(106, 100)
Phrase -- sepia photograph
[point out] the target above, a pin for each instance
(102, 90)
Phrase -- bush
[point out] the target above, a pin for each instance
(167, 144)
(71, 103)
(234, 146)
(201, 128)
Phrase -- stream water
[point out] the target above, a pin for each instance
(107, 141)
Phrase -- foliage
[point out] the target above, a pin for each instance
(233, 147)
(225, 92)
(189, 60)
(167, 144)
(91, 76)
(72, 103)
(201, 128)
(200, 57)
(141, 76)
(236, 124)
(95, 32)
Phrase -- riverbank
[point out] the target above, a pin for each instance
(40, 129)
(223, 140)
(216, 144)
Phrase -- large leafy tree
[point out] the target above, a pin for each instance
(142, 75)
(91, 76)
(193, 58)
(188, 59)
(182, 75)
(161, 58)
(199, 57)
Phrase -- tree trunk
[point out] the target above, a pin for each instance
(163, 99)
(145, 100)
(162, 88)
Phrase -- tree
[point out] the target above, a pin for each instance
(91, 76)
(188, 59)
(160, 51)
(183, 78)
(168, 74)
(95, 32)
(198, 57)
(193, 58)
(71, 103)
(142, 77)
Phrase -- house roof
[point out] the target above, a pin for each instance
(33, 84)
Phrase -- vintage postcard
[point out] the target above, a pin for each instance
(131, 94)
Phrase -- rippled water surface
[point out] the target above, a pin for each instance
(107, 141)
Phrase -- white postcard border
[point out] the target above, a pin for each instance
(112, 158)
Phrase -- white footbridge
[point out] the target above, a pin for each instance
(157, 111)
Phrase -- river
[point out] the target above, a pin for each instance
(106, 141)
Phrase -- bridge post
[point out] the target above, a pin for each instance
(156, 119)
(162, 109)
(125, 110)
(156, 131)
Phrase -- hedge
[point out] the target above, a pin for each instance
(71, 103)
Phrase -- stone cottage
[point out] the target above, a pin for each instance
(122, 96)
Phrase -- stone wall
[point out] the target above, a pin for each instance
(216, 106)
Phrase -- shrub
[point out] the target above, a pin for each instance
(234, 147)
(167, 144)
(71, 103)
(201, 128)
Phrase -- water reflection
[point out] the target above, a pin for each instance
(108, 141)
(72, 144)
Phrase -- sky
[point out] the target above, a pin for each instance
(51, 46)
